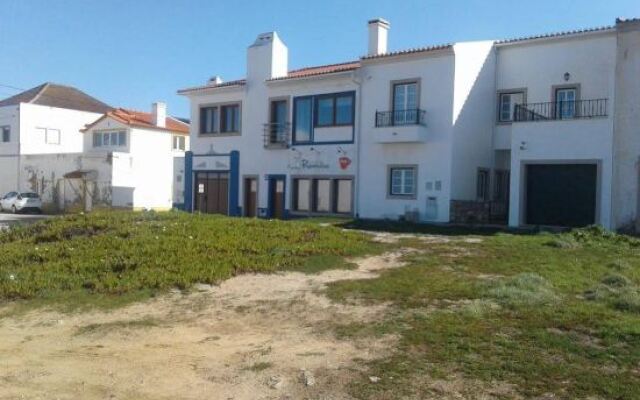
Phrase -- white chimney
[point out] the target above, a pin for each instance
(159, 114)
(378, 33)
(267, 58)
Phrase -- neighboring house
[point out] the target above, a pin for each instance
(44, 120)
(542, 130)
(77, 152)
(146, 152)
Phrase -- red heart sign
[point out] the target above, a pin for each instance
(344, 162)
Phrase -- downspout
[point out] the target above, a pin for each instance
(358, 81)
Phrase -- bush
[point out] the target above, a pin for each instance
(616, 280)
(527, 289)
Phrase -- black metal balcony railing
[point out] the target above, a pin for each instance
(595, 108)
(277, 134)
(400, 117)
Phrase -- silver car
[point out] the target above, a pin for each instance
(18, 202)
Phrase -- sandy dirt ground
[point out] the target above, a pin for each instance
(252, 337)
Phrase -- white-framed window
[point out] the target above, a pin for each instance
(110, 139)
(402, 181)
(325, 195)
(565, 99)
(6, 134)
(52, 136)
(405, 102)
(507, 104)
(179, 142)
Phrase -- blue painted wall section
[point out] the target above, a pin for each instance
(188, 181)
(234, 184)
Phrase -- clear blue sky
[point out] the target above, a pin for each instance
(130, 53)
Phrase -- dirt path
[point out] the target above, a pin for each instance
(252, 337)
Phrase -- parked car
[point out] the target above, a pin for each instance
(18, 202)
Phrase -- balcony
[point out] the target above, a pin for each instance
(561, 110)
(401, 126)
(277, 135)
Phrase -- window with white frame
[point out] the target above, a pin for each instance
(179, 142)
(110, 139)
(322, 195)
(6, 134)
(482, 184)
(507, 104)
(52, 136)
(402, 181)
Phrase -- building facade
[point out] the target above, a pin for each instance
(533, 131)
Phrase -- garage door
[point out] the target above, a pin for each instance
(212, 192)
(561, 194)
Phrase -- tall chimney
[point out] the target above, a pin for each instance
(159, 114)
(267, 58)
(378, 32)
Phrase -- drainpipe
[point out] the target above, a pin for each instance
(358, 81)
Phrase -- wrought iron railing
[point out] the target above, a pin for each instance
(400, 117)
(277, 134)
(595, 108)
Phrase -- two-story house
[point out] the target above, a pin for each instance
(533, 131)
(43, 120)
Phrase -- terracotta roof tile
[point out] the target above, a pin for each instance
(555, 34)
(139, 119)
(320, 70)
(409, 51)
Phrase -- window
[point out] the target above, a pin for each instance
(334, 110)
(322, 195)
(507, 103)
(208, 120)
(565, 100)
(405, 102)
(6, 134)
(302, 115)
(52, 136)
(482, 182)
(230, 118)
(179, 142)
(402, 181)
(501, 186)
(110, 139)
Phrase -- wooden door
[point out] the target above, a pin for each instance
(250, 197)
(277, 198)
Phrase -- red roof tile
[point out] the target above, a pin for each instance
(555, 34)
(139, 119)
(409, 51)
(320, 70)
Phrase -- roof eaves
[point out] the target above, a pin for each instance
(554, 35)
(230, 84)
(411, 51)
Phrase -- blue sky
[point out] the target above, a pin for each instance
(131, 53)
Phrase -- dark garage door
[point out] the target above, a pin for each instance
(561, 194)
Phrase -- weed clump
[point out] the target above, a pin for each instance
(526, 289)
(618, 291)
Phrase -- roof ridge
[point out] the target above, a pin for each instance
(556, 34)
(42, 89)
(324, 66)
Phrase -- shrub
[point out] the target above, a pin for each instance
(527, 289)
(616, 280)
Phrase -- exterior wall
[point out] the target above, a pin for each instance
(44, 174)
(432, 156)
(627, 125)
(68, 122)
(9, 116)
(474, 90)
(555, 142)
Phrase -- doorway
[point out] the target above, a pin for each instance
(212, 192)
(276, 197)
(250, 197)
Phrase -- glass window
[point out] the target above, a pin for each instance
(97, 139)
(508, 101)
(301, 192)
(105, 139)
(302, 114)
(566, 103)
(344, 110)
(6, 134)
(402, 182)
(122, 138)
(405, 96)
(230, 118)
(482, 190)
(179, 142)
(209, 120)
(52, 136)
(501, 186)
(325, 111)
(114, 138)
(322, 195)
(343, 193)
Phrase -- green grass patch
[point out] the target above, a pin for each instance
(513, 309)
(136, 254)
(259, 366)
(117, 326)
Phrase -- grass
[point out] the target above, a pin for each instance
(117, 326)
(114, 256)
(546, 313)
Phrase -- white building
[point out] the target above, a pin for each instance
(43, 120)
(49, 145)
(541, 130)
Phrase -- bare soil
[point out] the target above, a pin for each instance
(252, 337)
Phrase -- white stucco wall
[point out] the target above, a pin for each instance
(432, 156)
(33, 118)
(9, 116)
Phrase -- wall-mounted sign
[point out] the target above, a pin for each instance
(299, 162)
(211, 163)
(344, 162)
